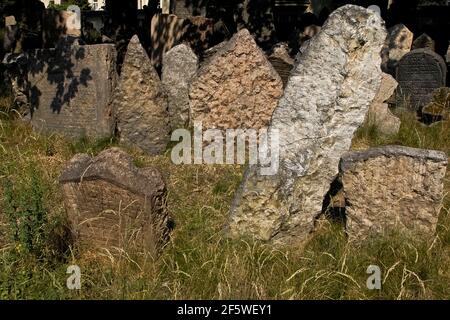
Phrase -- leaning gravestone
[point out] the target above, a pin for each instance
(71, 88)
(393, 187)
(112, 203)
(325, 101)
(419, 73)
(236, 88)
(140, 103)
(180, 66)
(397, 44)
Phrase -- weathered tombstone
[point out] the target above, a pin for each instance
(11, 34)
(168, 31)
(393, 187)
(282, 61)
(375, 9)
(180, 65)
(10, 21)
(16, 76)
(140, 102)
(184, 9)
(424, 41)
(419, 73)
(59, 25)
(379, 114)
(73, 21)
(447, 56)
(237, 88)
(112, 203)
(327, 97)
(398, 43)
(71, 89)
(257, 17)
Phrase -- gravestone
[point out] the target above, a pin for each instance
(184, 9)
(419, 73)
(112, 203)
(71, 89)
(11, 35)
(447, 56)
(59, 25)
(10, 21)
(140, 103)
(424, 41)
(180, 65)
(375, 9)
(397, 44)
(393, 187)
(73, 21)
(325, 101)
(168, 31)
(282, 61)
(236, 88)
(379, 114)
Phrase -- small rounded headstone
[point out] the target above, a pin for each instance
(375, 9)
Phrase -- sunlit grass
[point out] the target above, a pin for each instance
(200, 262)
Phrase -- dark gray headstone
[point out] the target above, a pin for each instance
(419, 73)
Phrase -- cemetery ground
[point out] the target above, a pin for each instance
(200, 262)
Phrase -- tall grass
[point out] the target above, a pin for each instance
(200, 262)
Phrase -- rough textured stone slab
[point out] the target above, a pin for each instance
(71, 88)
(110, 202)
(393, 188)
(237, 88)
(140, 103)
(316, 123)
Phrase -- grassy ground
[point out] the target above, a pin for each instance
(199, 262)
